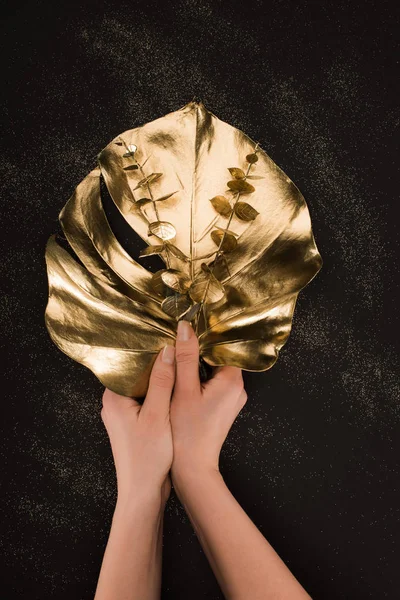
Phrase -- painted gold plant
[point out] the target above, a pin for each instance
(233, 231)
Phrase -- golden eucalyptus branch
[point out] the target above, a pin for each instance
(220, 252)
(130, 153)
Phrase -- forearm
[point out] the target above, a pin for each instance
(244, 563)
(131, 568)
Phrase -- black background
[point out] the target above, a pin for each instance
(312, 457)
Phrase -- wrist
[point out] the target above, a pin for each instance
(188, 461)
(186, 472)
(132, 499)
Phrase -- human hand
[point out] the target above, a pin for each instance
(201, 414)
(140, 436)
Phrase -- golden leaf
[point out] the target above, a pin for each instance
(176, 305)
(205, 268)
(163, 230)
(220, 261)
(191, 313)
(157, 283)
(206, 288)
(151, 250)
(176, 280)
(221, 205)
(147, 180)
(237, 173)
(245, 212)
(226, 241)
(105, 311)
(164, 197)
(142, 201)
(239, 185)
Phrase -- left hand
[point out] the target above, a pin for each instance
(140, 436)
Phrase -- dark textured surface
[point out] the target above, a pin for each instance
(313, 456)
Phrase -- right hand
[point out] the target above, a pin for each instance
(201, 414)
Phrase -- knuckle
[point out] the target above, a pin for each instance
(185, 356)
(107, 404)
(243, 398)
(111, 400)
(239, 376)
(162, 378)
(104, 414)
(184, 389)
(151, 415)
(238, 385)
(107, 396)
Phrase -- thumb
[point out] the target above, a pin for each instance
(161, 383)
(187, 359)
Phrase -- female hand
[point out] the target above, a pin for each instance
(201, 415)
(140, 436)
(244, 563)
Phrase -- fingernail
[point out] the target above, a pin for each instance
(184, 331)
(168, 355)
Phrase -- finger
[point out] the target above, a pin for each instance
(187, 359)
(161, 383)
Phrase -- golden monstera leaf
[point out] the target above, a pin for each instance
(233, 231)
